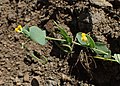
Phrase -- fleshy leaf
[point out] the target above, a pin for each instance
(37, 35)
(78, 36)
(102, 49)
(90, 43)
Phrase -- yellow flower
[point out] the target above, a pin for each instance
(84, 38)
(18, 29)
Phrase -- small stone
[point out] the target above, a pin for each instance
(12, 78)
(1, 55)
(18, 84)
(11, 17)
(51, 83)
(60, 64)
(0, 73)
(38, 72)
(8, 68)
(65, 77)
(17, 79)
(26, 77)
(101, 3)
(51, 78)
(7, 55)
(27, 19)
(21, 4)
(20, 74)
(26, 84)
(17, 63)
(1, 82)
(2, 69)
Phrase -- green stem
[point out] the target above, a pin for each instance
(65, 45)
(63, 40)
(40, 60)
(50, 38)
(77, 43)
(98, 57)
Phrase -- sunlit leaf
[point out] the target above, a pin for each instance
(64, 34)
(37, 35)
(102, 49)
(91, 41)
(79, 36)
(117, 57)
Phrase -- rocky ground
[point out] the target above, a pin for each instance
(18, 68)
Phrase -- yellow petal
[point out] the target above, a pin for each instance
(83, 34)
(84, 38)
(19, 28)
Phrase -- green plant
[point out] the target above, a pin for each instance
(67, 43)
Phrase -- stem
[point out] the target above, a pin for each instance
(50, 38)
(98, 57)
(63, 40)
(42, 61)
(77, 43)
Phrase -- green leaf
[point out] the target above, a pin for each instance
(25, 31)
(37, 35)
(90, 43)
(117, 57)
(102, 49)
(64, 34)
(78, 36)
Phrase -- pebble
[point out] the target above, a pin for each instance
(0, 73)
(39, 73)
(12, 78)
(21, 4)
(1, 55)
(8, 68)
(101, 3)
(18, 84)
(20, 74)
(27, 19)
(17, 79)
(1, 82)
(26, 77)
(11, 17)
(65, 77)
(51, 83)
(60, 64)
